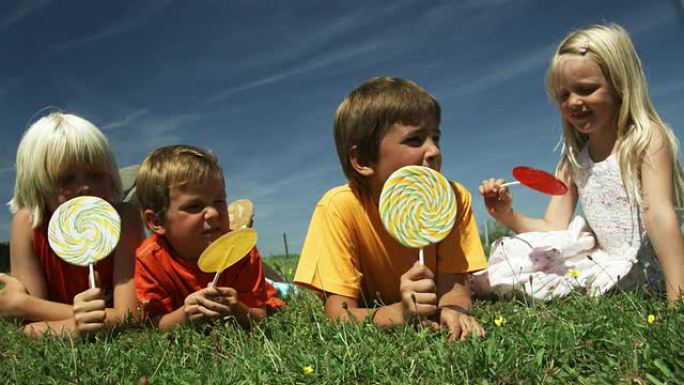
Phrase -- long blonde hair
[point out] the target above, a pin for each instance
(53, 144)
(611, 48)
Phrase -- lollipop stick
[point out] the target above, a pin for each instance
(91, 275)
(216, 278)
(421, 258)
(510, 183)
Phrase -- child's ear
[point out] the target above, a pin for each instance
(360, 165)
(153, 222)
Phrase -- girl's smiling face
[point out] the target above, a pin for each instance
(585, 96)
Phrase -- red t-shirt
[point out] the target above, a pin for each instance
(163, 279)
(65, 280)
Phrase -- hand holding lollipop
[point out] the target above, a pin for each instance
(226, 251)
(417, 207)
(84, 230)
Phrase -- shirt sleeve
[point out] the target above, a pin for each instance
(253, 290)
(329, 260)
(461, 251)
(154, 299)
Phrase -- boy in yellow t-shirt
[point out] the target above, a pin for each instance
(349, 258)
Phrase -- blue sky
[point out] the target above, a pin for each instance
(258, 82)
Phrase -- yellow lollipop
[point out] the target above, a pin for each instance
(226, 251)
(417, 207)
(84, 230)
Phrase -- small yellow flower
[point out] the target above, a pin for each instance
(651, 319)
(573, 273)
(308, 369)
(499, 321)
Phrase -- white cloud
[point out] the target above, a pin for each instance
(25, 8)
(505, 70)
(135, 17)
(141, 131)
(316, 50)
(668, 89)
(127, 120)
(321, 61)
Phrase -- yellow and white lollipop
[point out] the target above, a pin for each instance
(83, 230)
(417, 207)
(225, 251)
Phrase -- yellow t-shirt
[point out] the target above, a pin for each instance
(347, 250)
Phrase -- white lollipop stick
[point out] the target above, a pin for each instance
(216, 278)
(421, 258)
(91, 275)
(510, 183)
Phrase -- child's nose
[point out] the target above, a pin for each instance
(211, 213)
(574, 100)
(84, 188)
(432, 153)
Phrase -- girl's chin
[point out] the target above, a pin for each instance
(583, 128)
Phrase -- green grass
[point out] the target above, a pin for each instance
(573, 340)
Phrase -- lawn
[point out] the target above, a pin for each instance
(628, 338)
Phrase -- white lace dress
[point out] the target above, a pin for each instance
(609, 249)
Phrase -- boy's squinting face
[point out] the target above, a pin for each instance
(586, 97)
(405, 145)
(197, 215)
(81, 181)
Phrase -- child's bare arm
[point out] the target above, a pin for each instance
(87, 317)
(418, 301)
(499, 204)
(243, 314)
(123, 285)
(196, 308)
(16, 302)
(25, 298)
(346, 309)
(456, 305)
(24, 262)
(660, 218)
(210, 304)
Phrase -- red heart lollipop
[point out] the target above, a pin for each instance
(539, 180)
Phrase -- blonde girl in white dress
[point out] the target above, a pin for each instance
(620, 161)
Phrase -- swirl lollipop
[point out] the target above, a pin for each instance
(417, 207)
(84, 230)
(226, 251)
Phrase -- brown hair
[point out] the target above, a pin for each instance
(365, 115)
(168, 166)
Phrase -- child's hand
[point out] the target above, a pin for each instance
(209, 303)
(11, 296)
(461, 325)
(89, 311)
(224, 295)
(497, 199)
(418, 292)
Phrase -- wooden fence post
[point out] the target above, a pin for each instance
(287, 253)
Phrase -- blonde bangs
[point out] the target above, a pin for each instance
(52, 145)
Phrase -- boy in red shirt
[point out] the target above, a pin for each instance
(182, 195)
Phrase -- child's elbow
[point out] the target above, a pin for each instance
(659, 217)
